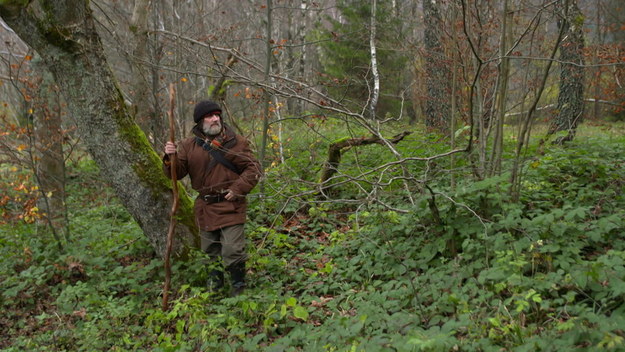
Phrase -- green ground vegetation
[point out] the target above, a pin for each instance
(546, 273)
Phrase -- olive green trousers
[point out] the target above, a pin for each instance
(228, 242)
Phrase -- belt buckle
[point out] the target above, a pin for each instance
(212, 198)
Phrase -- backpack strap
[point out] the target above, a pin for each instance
(217, 154)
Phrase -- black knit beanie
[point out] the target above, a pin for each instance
(204, 107)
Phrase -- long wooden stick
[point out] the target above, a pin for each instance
(174, 207)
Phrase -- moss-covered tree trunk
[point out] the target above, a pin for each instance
(63, 32)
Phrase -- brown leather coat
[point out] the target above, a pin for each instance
(209, 177)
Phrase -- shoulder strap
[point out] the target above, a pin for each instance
(218, 155)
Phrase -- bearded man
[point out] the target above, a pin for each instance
(223, 170)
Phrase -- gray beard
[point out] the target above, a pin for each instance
(211, 130)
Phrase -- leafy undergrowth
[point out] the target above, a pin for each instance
(545, 273)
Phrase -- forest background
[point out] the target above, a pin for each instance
(439, 175)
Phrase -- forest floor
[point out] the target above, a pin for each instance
(464, 268)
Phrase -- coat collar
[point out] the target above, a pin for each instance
(226, 139)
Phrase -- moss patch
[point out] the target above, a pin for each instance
(149, 166)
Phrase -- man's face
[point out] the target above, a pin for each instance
(212, 124)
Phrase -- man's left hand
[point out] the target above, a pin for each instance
(230, 196)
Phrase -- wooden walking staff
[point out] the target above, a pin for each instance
(174, 207)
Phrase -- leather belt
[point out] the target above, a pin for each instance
(213, 198)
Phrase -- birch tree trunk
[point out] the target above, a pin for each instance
(374, 62)
(63, 32)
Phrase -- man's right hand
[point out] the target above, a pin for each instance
(170, 148)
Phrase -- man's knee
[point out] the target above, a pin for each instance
(233, 253)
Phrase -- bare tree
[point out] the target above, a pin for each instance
(267, 93)
(34, 136)
(375, 94)
(50, 160)
(437, 110)
(570, 110)
(502, 89)
(142, 75)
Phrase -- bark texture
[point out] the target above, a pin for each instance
(63, 32)
(374, 62)
(437, 109)
(571, 96)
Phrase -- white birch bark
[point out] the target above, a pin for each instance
(375, 94)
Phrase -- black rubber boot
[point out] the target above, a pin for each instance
(215, 280)
(237, 277)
